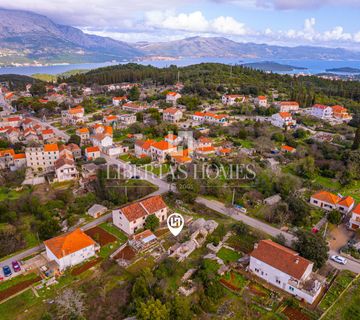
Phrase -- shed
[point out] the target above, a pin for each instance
(96, 210)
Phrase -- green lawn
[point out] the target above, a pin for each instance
(348, 306)
(228, 255)
(7, 194)
(15, 280)
(125, 157)
(338, 286)
(109, 227)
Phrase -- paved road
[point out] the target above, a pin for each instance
(132, 170)
(220, 207)
(57, 131)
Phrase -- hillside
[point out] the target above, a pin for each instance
(221, 47)
(29, 37)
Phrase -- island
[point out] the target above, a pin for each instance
(344, 70)
(271, 66)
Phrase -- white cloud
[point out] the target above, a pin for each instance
(195, 22)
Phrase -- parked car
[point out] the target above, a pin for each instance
(338, 259)
(16, 266)
(7, 271)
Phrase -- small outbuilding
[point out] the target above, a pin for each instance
(96, 210)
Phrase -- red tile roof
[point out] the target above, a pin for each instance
(143, 208)
(163, 145)
(285, 115)
(346, 201)
(357, 209)
(51, 147)
(326, 196)
(281, 258)
(92, 149)
(72, 242)
(171, 110)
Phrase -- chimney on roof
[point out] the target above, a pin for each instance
(255, 245)
(297, 260)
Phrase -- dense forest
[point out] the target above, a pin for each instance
(206, 79)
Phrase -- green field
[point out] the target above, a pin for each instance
(228, 255)
(348, 306)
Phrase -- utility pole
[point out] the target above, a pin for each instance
(233, 197)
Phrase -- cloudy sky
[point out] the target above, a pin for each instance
(285, 22)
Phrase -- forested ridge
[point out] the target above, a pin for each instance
(207, 78)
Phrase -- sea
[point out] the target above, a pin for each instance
(312, 66)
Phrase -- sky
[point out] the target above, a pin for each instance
(331, 23)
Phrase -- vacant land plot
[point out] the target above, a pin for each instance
(100, 236)
(86, 266)
(127, 253)
(294, 314)
(228, 255)
(18, 287)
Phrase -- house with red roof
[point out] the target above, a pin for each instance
(261, 101)
(283, 120)
(172, 115)
(159, 150)
(70, 249)
(288, 149)
(208, 117)
(329, 201)
(321, 111)
(172, 97)
(92, 153)
(341, 113)
(286, 269)
(131, 217)
(73, 116)
(116, 101)
(287, 106)
(143, 148)
(355, 218)
(84, 135)
(42, 158)
(48, 134)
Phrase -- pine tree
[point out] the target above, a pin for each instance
(356, 143)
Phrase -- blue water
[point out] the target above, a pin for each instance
(313, 66)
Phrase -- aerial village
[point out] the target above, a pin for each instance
(90, 174)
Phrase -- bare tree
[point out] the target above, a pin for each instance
(70, 304)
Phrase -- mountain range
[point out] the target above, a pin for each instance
(28, 38)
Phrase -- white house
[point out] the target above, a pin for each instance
(329, 201)
(42, 157)
(73, 115)
(131, 218)
(172, 97)
(261, 101)
(285, 269)
(143, 148)
(172, 115)
(287, 106)
(101, 140)
(117, 100)
(355, 218)
(65, 169)
(282, 120)
(321, 111)
(127, 119)
(92, 153)
(159, 150)
(208, 117)
(70, 249)
(230, 99)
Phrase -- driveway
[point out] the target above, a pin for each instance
(339, 237)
